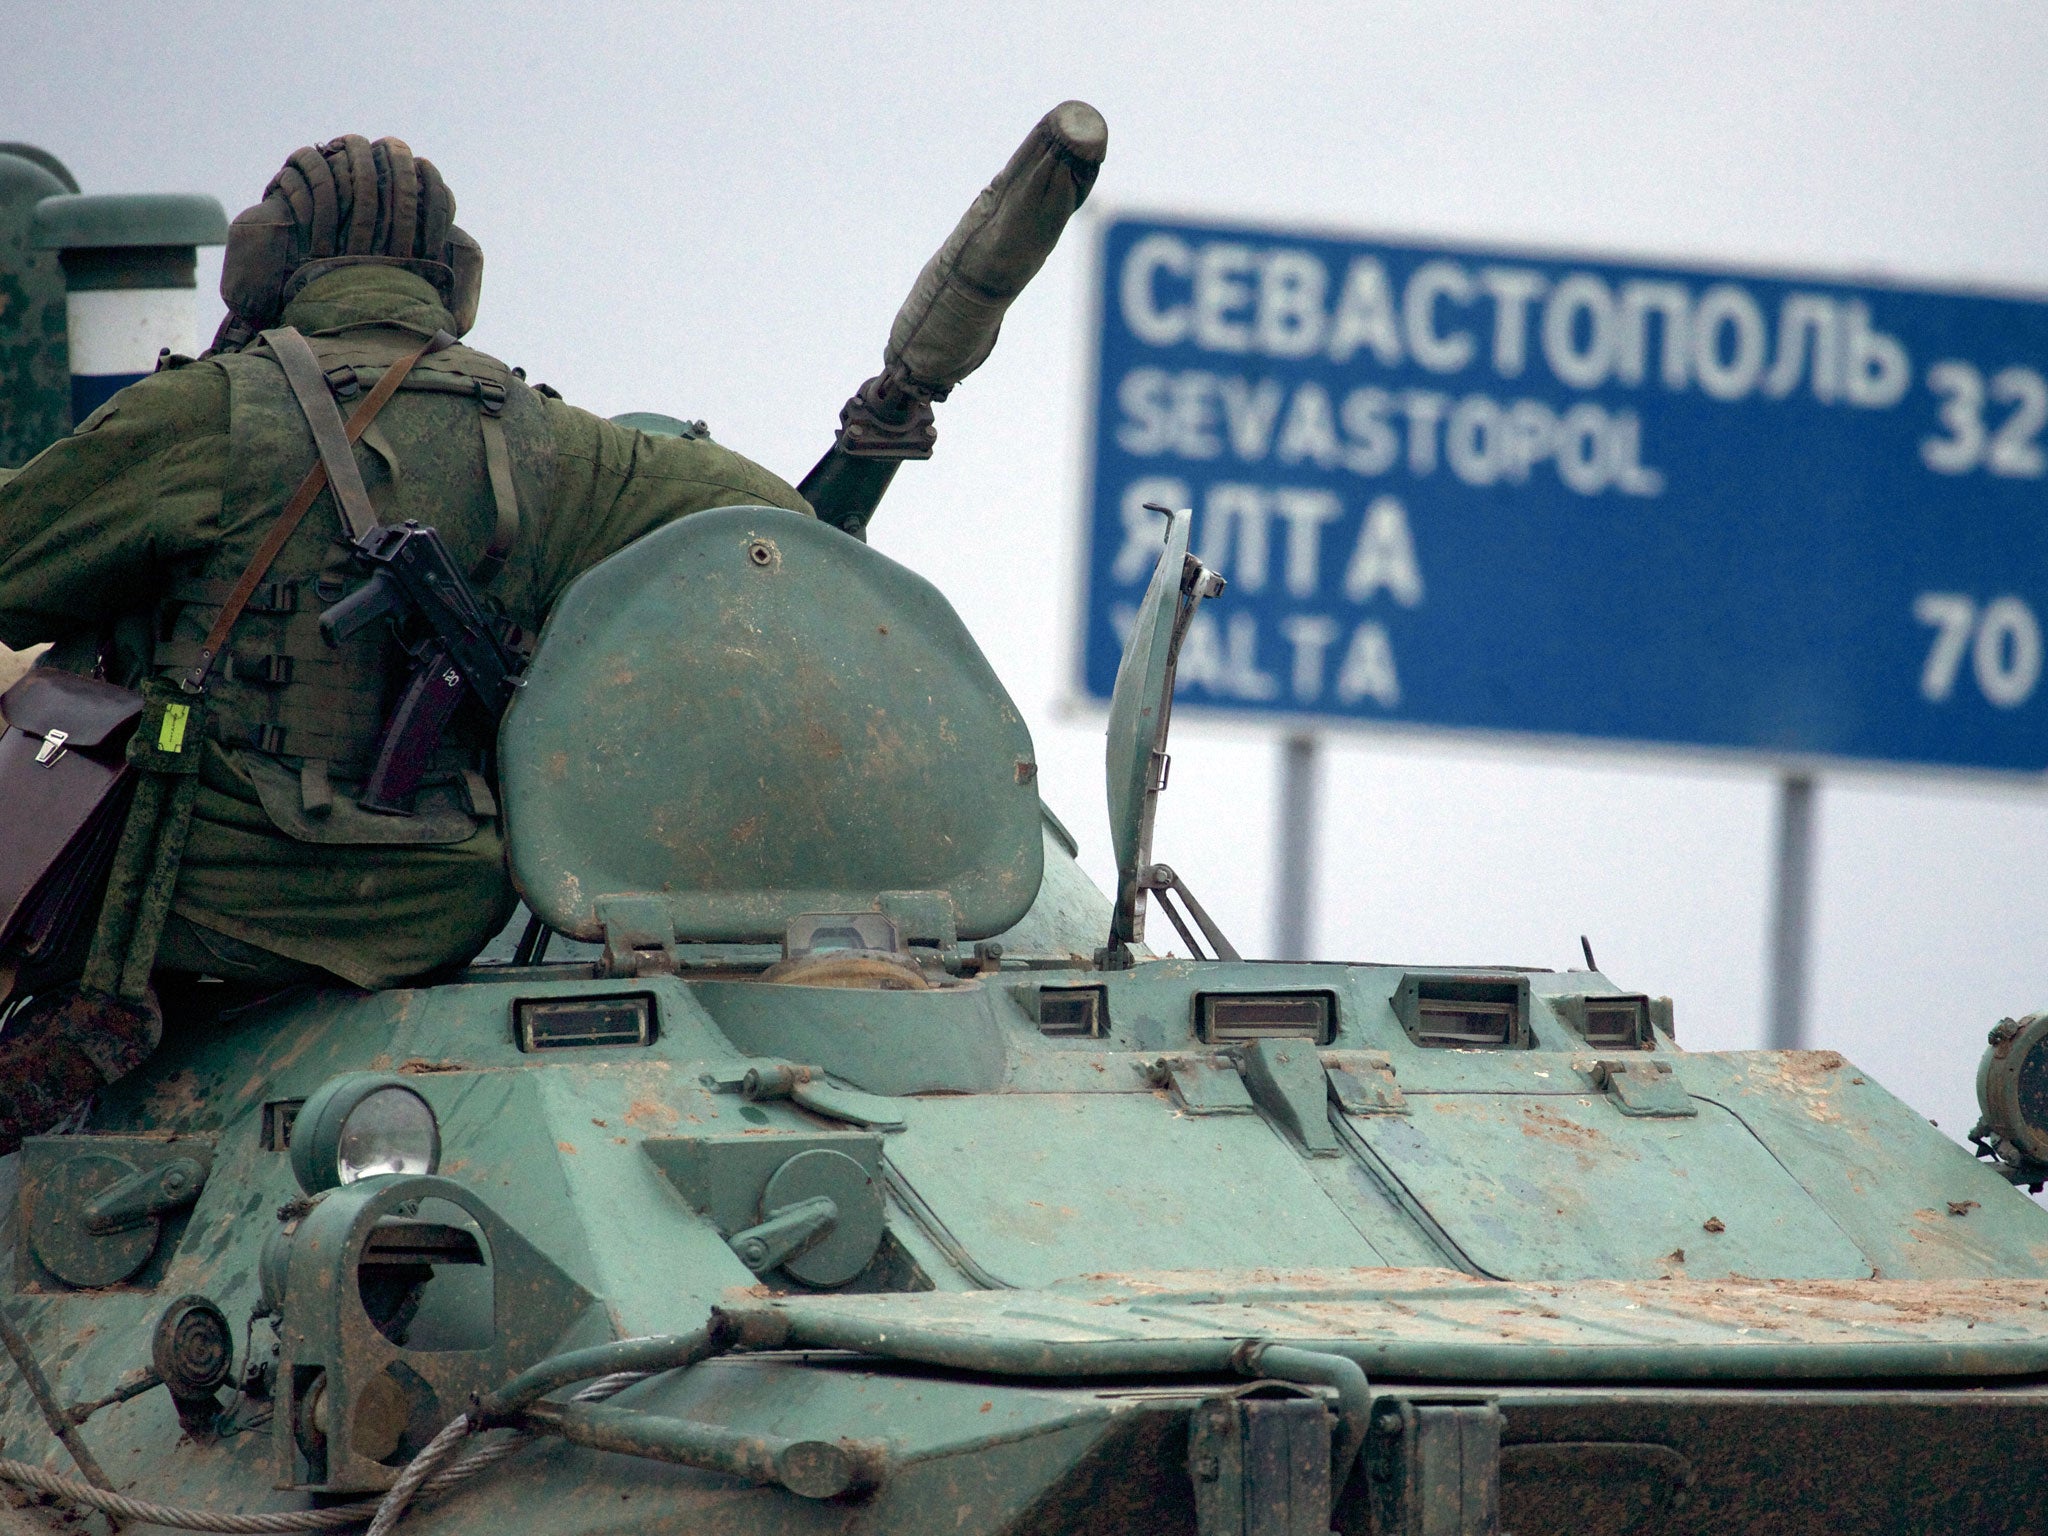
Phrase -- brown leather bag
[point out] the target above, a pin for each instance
(65, 784)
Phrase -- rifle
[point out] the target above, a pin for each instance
(462, 651)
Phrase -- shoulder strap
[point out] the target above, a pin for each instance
(302, 499)
(310, 384)
(303, 372)
(504, 492)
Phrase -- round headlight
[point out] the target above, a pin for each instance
(2012, 1090)
(359, 1125)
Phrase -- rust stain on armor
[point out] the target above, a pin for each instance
(1550, 1126)
(649, 1111)
(1805, 1076)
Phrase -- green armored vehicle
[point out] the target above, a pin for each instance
(827, 1154)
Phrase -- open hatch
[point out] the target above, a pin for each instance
(1136, 763)
(747, 716)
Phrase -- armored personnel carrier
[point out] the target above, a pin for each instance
(824, 1152)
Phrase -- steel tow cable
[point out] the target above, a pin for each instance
(420, 1477)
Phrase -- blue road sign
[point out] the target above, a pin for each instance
(1489, 490)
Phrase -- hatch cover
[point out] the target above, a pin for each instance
(1561, 1187)
(1043, 1187)
(753, 716)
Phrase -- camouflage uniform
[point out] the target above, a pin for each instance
(157, 501)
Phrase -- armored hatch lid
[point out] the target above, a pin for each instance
(1140, 695)
(752, 716)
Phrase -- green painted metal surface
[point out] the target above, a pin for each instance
(751, 716)
(1560, 1185)
(1128, 770)
(1066, 1244)
(106, 220)
(1042, 1187)
(947, 1041)
(37, 155)
(35, 363)
(1047, 1194)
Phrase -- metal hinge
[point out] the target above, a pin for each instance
(766, 1077)
(1362, 1083)
(1643, 1088)
(639, 936)
(925, 918)
(1203, 1085)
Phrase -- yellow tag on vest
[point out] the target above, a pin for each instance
(171, 737)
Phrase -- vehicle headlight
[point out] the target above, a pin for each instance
(360, 1125)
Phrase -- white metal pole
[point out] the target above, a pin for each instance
(1294, 873)
(1791, 913)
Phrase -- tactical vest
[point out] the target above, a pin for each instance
(465, 448)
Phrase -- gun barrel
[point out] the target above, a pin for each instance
(948, 325)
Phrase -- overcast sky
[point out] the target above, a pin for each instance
(714, 210)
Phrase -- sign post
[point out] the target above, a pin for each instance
(1791, 913)
(1551, 497)
(1294, 869)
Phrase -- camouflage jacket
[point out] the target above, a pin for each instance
(147, 505)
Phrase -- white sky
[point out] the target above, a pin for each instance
(714, 211)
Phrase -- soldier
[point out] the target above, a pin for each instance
(121, 543)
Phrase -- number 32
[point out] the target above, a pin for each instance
(2010, 450)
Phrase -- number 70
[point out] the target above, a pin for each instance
(2003, 640)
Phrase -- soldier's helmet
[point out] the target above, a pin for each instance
(348, 202)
